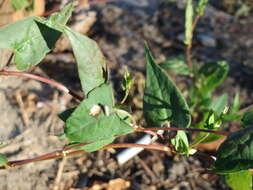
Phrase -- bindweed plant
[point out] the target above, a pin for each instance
(98, 120)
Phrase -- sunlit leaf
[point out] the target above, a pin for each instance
(32, 38)
(162, 100)
(240, 180)
(82, 126)
(90, 60)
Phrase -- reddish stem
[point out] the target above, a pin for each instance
(183, 129)
(42, 79)
(146, 146)
(67, 152)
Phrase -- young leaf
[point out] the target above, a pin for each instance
(90, 60)
(181, 143)
(34, 39)
(219, 104)
(201, 6)
(177, 65)
(188, 22)
(19, 4)
(213, 75)
(235, 153)
(236, 104)
(82, 126)
(162, 100)
(126, 85)
(240, 180)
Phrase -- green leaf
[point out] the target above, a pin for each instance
(201, 6)
(3, 159)
(203, 138)
(213, 75)
(236, 104)
(61, 18)
(247, 119)
(188, 22)
(97, 145)
(82, 126)
(177, 65)
(126, 84)
(19, 4)
(94, 130)
(125, 116)
(231, 117)
(236, 152)
(162, 100)
(90, 60)
(180, 142)
(240, 180)
(35, 38)
(219, 104)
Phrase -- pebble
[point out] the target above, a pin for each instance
(207, 40)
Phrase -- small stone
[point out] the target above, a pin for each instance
(207, 40)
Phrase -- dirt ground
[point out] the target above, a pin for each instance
(29, 109)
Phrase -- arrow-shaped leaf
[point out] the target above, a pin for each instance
(32, 38)
(162, 100)
(90, 60)
(99, 129)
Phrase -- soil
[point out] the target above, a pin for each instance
(29, 109)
